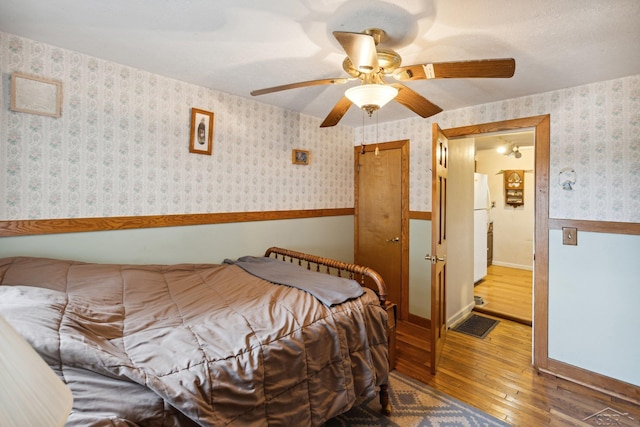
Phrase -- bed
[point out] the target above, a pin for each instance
(205, 344)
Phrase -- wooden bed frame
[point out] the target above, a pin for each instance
(354, 271)
(338, 268)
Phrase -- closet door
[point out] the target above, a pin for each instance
(381, 216)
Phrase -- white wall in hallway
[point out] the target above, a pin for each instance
(460, 225)
(512, 227)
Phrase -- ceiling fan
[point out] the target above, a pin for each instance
(372, 64)
(509, 148)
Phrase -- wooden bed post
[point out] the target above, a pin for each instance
(384, 400)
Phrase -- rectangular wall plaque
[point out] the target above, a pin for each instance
(35, 95)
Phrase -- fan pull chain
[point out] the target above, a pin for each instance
(362, 145)
(377, 152)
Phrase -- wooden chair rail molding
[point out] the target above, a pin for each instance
(420, 215)
(79, 225)
(596, 226)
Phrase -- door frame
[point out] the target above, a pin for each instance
(542, 127)
(403, 145)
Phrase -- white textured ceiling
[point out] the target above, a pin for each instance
(236, 46)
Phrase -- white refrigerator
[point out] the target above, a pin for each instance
(481, 207)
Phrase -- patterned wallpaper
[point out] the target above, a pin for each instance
(121, 146)
(595, 130)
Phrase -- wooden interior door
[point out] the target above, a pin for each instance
(381, 216)
(438, 256)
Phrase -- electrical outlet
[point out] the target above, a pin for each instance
(570, 236)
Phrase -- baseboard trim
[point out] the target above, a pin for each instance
(593, 380)
(510, 265)
(420, 321)
(460, 315)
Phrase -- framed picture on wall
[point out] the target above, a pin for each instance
(36, 95)
(300, 157)
(201, 141)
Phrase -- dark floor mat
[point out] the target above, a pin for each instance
(477, 326)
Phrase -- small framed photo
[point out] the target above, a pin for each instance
(300, 157)
(36, 95)
(201, 132)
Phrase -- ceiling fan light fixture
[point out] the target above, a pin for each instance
(371, 97)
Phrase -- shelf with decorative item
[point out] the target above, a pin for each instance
(514, 187)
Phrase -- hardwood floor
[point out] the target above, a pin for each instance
(507, 293)
(495, 375)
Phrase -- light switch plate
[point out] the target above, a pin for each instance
(570, 236)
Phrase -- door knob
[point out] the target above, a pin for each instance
(394, 240)
(434, 258)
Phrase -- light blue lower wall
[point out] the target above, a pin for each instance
(594, 292)
(326, 236)
(419, 269)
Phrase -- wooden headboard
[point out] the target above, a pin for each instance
(332, 266)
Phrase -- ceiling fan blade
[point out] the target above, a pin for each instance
(489, 68)
(338, 111)
(415, 102)
(361, 50)
(336, 81)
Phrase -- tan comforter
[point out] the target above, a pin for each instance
(193, 344)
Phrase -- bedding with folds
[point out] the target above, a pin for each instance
(194, 344)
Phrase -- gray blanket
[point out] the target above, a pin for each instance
(191, 344)
(331, 290)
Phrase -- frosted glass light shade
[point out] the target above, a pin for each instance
(371, 96)
(31, 394)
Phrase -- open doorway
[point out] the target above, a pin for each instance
(541, 126)
(419, 350)
(506, 160)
